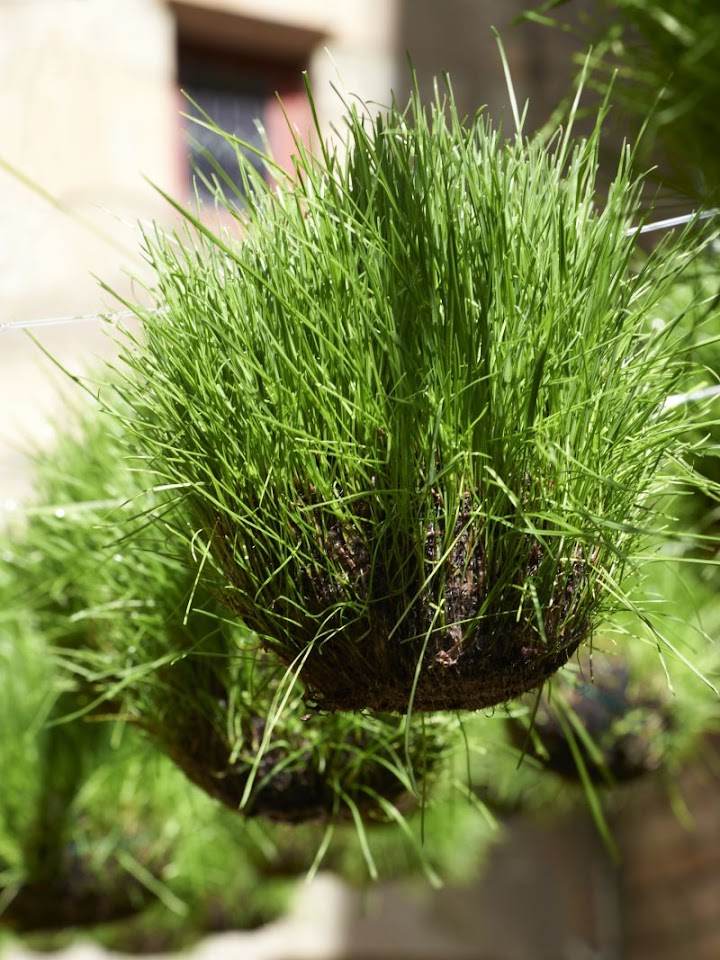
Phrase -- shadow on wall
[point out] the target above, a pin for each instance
(457, 37)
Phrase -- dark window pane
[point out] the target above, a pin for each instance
(234, 105)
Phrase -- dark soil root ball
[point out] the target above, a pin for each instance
(291, 782)
(298, 795)
(287, 797)
(76, 895)
(629, 731)
(367, 619)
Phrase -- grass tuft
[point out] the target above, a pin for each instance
(415, 411)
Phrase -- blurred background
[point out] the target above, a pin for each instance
(91, 103)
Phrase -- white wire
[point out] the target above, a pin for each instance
(678, 399)
(54, 321)
(112, 317)
(671, 222)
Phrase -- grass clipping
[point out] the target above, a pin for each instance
(413, 403)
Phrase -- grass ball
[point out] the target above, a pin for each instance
(413, 404)
(101, 562)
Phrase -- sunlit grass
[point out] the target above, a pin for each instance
(415, 413)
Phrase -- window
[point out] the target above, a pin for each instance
(237, 91)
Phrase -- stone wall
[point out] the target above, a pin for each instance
(669, 882)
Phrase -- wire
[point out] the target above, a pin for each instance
(678, 399)
(56, 321)
(671, 222)
(111, 317)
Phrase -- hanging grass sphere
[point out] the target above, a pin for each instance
(101, 563)
(415, 409)
(99, 832)
(597, 720)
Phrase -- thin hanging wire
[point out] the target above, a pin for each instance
(671, 222)
(110, 317)
(693, 396)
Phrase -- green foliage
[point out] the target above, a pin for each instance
(664, 53)
(97, 830)
(140, 637)
(415, 411)
(29, 688)
(105, 835)
(697, 298)
(631, 709)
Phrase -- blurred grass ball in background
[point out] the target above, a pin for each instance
(99, 564)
